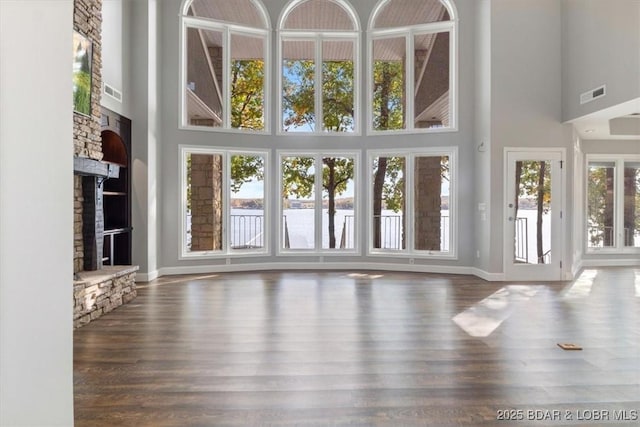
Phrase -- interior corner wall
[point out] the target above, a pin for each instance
(36, 195)
(526, 105)
(145, 136)
(601, 46)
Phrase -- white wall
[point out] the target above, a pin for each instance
(482, 140)
(525, 93)
(172, 137)
(36, 219)
(601, 45)
(116, 53)
(145, 136)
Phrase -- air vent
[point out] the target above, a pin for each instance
(593, 94)
(113, 92)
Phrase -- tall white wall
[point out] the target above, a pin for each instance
(601, 45)
(116, 53)
(172, 137)
(36, 215)
(482, 207)
(145, 135)
(526, 89)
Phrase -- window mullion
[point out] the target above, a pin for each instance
(226, 78)
(318, 85)
(618, 202)
(318, 201)
(409, 199)
(409, 97)
(226, 201)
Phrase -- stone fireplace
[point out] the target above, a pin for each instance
(101, 153)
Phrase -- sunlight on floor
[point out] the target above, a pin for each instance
(637, 284)
(484, 317)
(581, 288)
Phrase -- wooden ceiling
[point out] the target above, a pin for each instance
(242, 12)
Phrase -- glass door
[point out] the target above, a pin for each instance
(533, 243)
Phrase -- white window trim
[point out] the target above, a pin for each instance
(410, 155)
(226, 251)
(228, 29)
(409, 32)
(618, 204)
(318, 37)
(318, 190)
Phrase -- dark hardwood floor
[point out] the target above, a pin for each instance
(364, 349)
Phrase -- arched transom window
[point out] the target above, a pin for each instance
(225, 47)
(412, 54)
(318, 81)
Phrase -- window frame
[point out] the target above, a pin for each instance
(618, 204)
(318, 155)
(410, 156)
(226, 251)
(318, 37)
(228, 29)
(409, 32)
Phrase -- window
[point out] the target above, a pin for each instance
(319, 202)
(413, 203)
(225, 67)
(319, 41)
(613, 203)
(221, 219)
(412, 66)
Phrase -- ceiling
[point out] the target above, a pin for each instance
(620, 122)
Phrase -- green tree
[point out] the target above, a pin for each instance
(299, 98)
(245, 169)
(247, 94)
(600, 205)
(299, 95)
(299, 177)
(533, 180)
(388, 192)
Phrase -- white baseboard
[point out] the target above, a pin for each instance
(438, 269)
(575, 268)
(490, 277)
(591, 263)
(147, 277)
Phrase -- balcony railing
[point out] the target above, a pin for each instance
(247, 231)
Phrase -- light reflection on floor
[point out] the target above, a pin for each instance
(637, 273)
(581, 288)
(484, 317)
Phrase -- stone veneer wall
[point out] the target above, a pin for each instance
(96, 293)
(428, 201)
(87, 141)
(78, 244)
(206, 205)
(87, 20)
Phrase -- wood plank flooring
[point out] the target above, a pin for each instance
(364, 349)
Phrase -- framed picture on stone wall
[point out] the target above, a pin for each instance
(82, 58)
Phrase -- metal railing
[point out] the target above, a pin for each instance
(522, 240)
(390, 231)
(597, 236)
(246, 231)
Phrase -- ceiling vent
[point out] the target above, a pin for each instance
(112, 92)
(593, 94)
